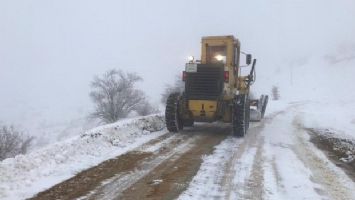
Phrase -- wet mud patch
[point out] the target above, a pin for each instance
(160, 169)
(340, 151)
(173, 176)
(89, 179)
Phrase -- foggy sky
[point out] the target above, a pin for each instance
(50, 50)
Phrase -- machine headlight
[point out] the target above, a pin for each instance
(219, 57)
(191, 58)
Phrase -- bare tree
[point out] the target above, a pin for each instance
(145, 108)
(275, 93)
(114, 95)
(13, 142)
(178, 86)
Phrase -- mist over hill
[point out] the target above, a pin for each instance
(50, 51)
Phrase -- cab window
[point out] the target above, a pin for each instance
(216, 54)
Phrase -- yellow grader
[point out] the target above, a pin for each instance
(215, 90)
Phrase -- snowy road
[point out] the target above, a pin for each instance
(160, 168)
(276, 160)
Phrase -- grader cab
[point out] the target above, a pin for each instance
(215, 90)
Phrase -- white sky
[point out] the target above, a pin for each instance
(50, 50)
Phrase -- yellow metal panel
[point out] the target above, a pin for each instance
(229, 41)
(232, 58)
(200, 107)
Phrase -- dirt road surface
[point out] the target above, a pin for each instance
(159, 169)
(276, 160)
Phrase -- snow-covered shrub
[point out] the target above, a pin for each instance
(177, 87)
(145, 108)
(13, 142)
(121, 130)
(152, 124)
(114, 95)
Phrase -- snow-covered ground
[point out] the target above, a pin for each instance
(25, 175)
(277, 157)
(275, 160)
(336, 116)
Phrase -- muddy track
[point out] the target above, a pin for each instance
(159, 169)
(253, 186)
(172, 177)
(340, 151)
(89, 179)
(322, 173)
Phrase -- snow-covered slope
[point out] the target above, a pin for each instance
(25, 175)
(336, 116)
(322, 77)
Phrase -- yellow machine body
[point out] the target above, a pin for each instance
(212, 110)
(203, 110)
(215, 90)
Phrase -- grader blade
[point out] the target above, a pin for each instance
(258, 108)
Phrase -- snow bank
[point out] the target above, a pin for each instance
(25, 175)
(337, 116)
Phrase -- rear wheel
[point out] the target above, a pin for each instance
(240, 115)
(172, 118)
(189, 123)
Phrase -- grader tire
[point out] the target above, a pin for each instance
(241, 115)
(188, 123)
(172, 118)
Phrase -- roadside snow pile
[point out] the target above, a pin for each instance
(25, 175)
(112, 133)
(343, 148)
(336, 116)
(331, 126)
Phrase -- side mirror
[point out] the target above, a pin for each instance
(248, 59)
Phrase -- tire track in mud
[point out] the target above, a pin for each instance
(322, 173)
(172, 158)
(255, 183)
(252, 187)
(90, 179)
(341, 151)
(120, 182)
(234, 165)
(172, 177)
(241, 174)
(163, 167)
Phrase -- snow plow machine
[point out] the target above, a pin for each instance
(215, 90)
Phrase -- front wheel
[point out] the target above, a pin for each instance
(240, 115)
(172, 117)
